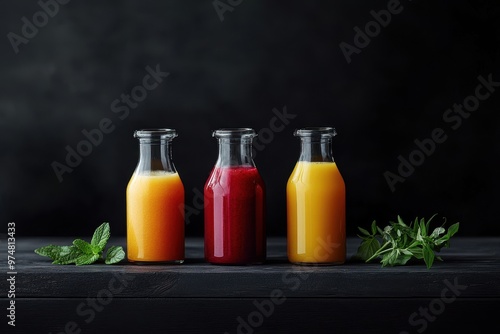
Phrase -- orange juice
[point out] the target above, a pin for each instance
(155, 217)
(316, 214)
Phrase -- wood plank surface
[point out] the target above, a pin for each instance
(460, 294)
(470, 262)
(231, 315)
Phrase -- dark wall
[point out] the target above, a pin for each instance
(264, 55)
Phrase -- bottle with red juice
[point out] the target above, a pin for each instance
(234, 196)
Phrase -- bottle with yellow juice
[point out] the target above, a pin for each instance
(316, 205)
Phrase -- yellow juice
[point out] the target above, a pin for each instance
(155, 217)
(316, 214)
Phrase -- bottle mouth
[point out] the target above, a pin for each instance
(234, 133)
(156, 134)
(316, 132)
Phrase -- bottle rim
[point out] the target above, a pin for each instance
(316, 131)
(160, 133)
(234, 133)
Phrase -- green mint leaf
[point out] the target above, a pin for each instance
(388, 259)
(86, 259)
(54, 252)
(400, 221)
(419, 235)
(428, 256)
(380, 231)
(453, 229)
(406, 252)
(374, 227)
(443, 241)
(51, 251)
(367, 248)
(84, 246)
(114, 255)
(101, 236)
(423, 227)
(69, 257)
(417, 252)
(363, 231)
(437, 232)
(402, 259)
(415, 227)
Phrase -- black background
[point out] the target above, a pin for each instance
(233, 73)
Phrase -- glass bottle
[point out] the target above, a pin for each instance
(234, 195)
(316, 202)
(155, 202)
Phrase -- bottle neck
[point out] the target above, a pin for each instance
(235, 152)
(155, 156)
(316, 149)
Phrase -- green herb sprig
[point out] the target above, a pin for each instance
(84, 253)
(397, 243)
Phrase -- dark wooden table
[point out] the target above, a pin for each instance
(460, 294)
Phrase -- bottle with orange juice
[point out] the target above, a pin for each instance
(155, 202)
(316, 205)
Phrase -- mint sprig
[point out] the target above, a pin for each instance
(83, 253)
(398, 242)
(115, 254)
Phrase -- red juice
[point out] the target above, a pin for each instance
(234, 216)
